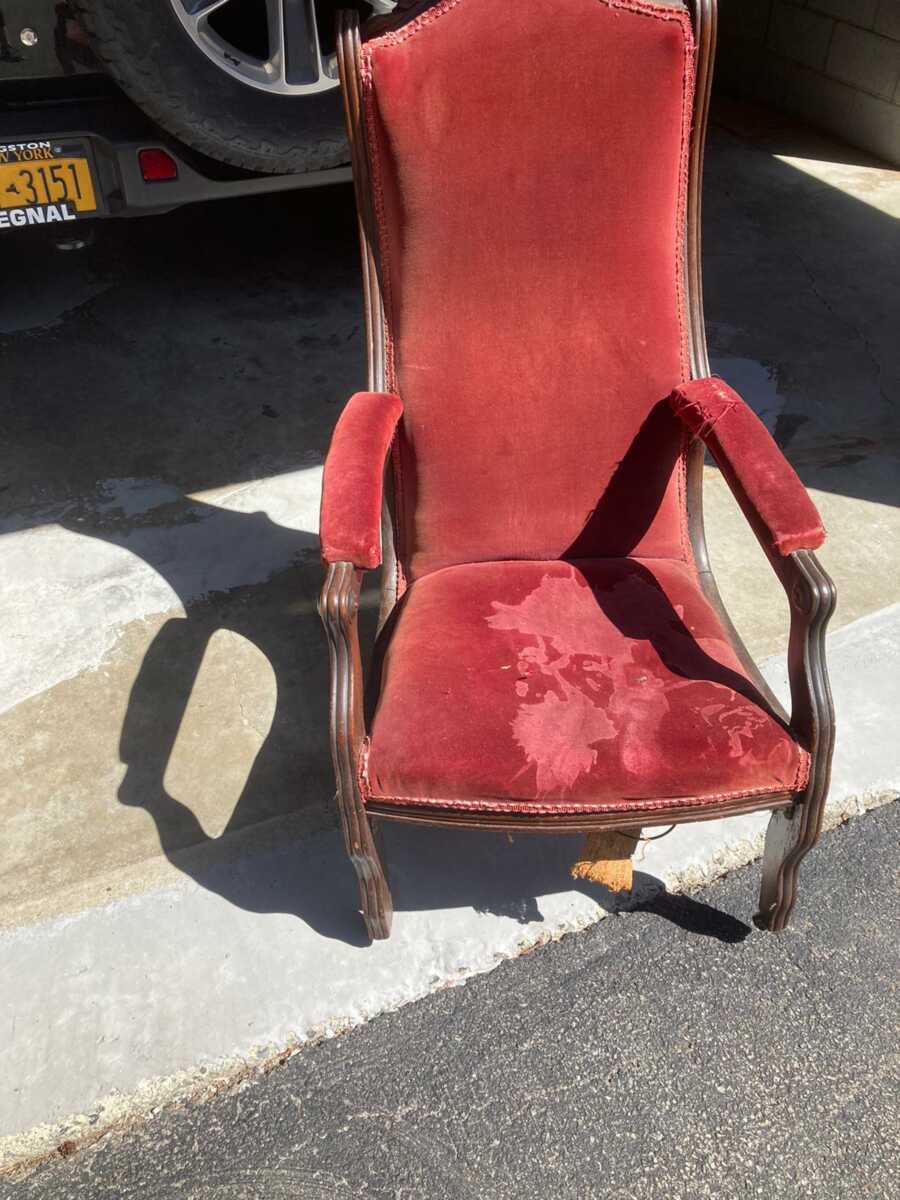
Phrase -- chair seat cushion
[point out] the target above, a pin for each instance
(586, 686)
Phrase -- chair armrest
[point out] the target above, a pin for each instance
(789, 528)
(764, 483)
(350, 519)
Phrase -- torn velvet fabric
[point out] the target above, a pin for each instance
(765, 484)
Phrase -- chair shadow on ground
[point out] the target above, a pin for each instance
(306, 876)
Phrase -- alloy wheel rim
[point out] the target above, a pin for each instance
(275, 46)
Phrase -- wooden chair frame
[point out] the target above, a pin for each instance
(796, 820)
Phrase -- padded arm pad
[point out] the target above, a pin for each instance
(764, 483)
(350, 522)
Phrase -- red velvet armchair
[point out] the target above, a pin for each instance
(526, 465)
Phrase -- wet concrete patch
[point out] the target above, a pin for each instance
(137, 548)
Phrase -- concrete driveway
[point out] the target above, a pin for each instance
(174, 901)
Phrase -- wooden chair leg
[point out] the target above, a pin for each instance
(338, 608)
(793, 832)
(374, 892)
(787, 844)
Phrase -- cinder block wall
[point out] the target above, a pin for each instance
(834, 62)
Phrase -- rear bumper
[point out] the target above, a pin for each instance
(117, 131)
(140, 198)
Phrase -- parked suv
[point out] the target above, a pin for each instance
(118, 107)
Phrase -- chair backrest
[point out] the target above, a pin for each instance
(529, 169)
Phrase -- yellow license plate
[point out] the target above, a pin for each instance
(53, 181)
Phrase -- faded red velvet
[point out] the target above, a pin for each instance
(350, 519)
(529, 164)
(568, 687)
(553, 650)
(765, 484)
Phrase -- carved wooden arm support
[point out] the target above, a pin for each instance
(811, 595)
(338, 608)
(792, 832)
(350, 533)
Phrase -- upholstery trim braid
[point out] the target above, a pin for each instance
(491, 804)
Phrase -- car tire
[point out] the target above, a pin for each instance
(147, 51)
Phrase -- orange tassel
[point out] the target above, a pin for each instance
(606, 859)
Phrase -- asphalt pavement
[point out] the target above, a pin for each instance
(669, 1051)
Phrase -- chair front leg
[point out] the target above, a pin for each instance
(793, 832)
(338, 608)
